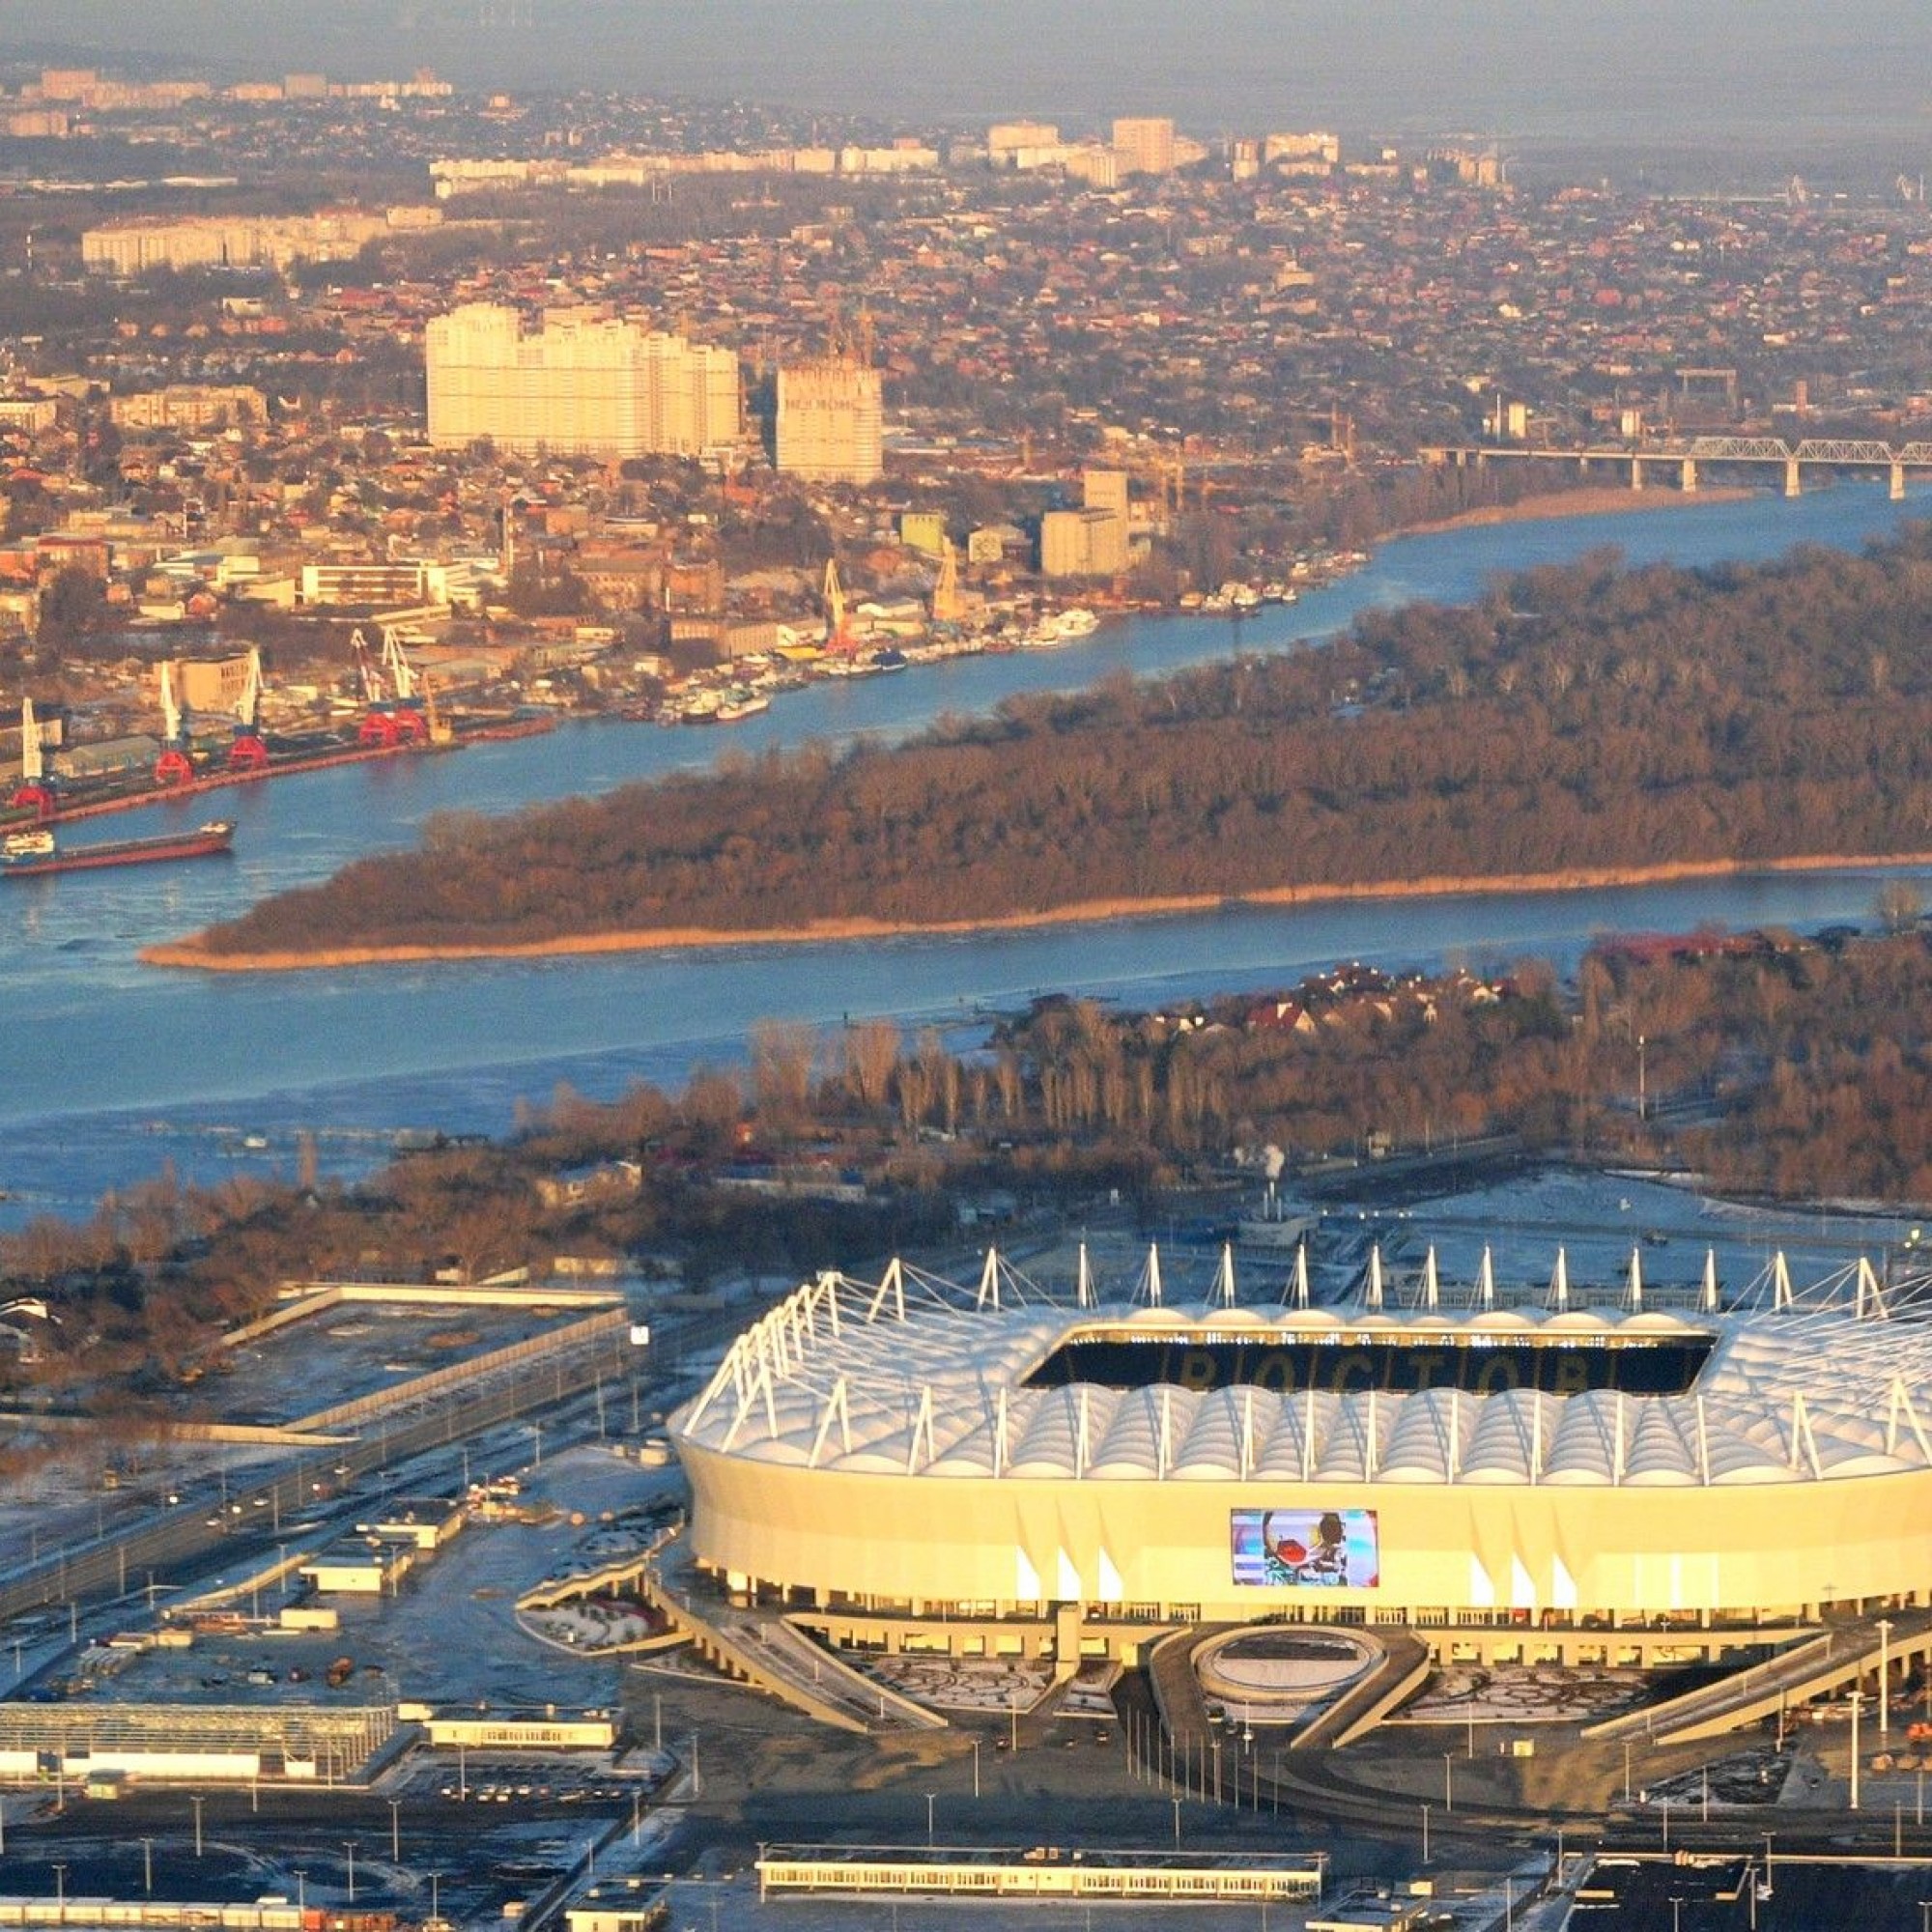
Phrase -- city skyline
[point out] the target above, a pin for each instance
(1532, 68)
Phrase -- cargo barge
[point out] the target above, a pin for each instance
(34, 854)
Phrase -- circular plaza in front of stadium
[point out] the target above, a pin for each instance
(1594, 1475)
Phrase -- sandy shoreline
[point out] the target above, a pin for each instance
(1597, 501)
(190, 953)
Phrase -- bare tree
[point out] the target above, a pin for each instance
(1898, 906)
(784, 1053)
(871, 1049)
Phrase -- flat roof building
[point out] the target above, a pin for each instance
(830, 425)
(1082, 543)
(585, 385)
(1143, 145)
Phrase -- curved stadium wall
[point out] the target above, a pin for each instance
(917, 1446)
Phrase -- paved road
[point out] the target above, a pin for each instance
(172, 1547)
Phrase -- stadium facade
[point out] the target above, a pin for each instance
(912, 1449)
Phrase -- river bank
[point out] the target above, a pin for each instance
(1596, 500)
(108, 1068)
(193, 954)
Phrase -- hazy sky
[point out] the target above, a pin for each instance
(1659, 68)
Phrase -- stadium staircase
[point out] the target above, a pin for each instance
(762, 1649)
(1839, 1660)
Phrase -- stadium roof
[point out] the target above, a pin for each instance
(916, 1375)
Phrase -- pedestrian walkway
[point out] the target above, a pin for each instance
(762, 1648)
(1842, 1657)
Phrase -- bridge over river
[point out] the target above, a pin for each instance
(1689, 456)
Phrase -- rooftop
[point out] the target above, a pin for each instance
(916, 1375)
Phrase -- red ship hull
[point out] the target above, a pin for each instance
(205, 841)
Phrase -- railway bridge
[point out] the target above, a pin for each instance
(1689, 456)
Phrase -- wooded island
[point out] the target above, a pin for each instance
(1578, 724)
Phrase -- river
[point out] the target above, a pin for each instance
(108, 1068)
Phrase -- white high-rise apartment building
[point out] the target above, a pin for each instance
(831, 424)
(585, 385)
(1143, 145)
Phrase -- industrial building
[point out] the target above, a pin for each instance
(585, 384)
(1588, 1475)
(191, 1743)
(1090, 541)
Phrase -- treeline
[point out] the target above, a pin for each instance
(1575, 718)
(1779, 1068)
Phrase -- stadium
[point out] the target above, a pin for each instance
(1585, 1462)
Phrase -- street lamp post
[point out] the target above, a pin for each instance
(395, 1831)
(1883, 1678)
(929, 1797)
(60, 1888)
(197, 1803)
(1857, 1698)
(1425, 1835)
(148, 1867)
(349, 1846)
(1449, 1780)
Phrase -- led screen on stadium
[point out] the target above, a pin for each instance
(1306, 1550)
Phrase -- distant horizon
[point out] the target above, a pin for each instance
(1667, 71)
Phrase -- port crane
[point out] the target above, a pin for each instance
(948, 606)
(175, 764)
(413, 701)
(248, 753)
(395, 707)
(36, 789)
(838, 636)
